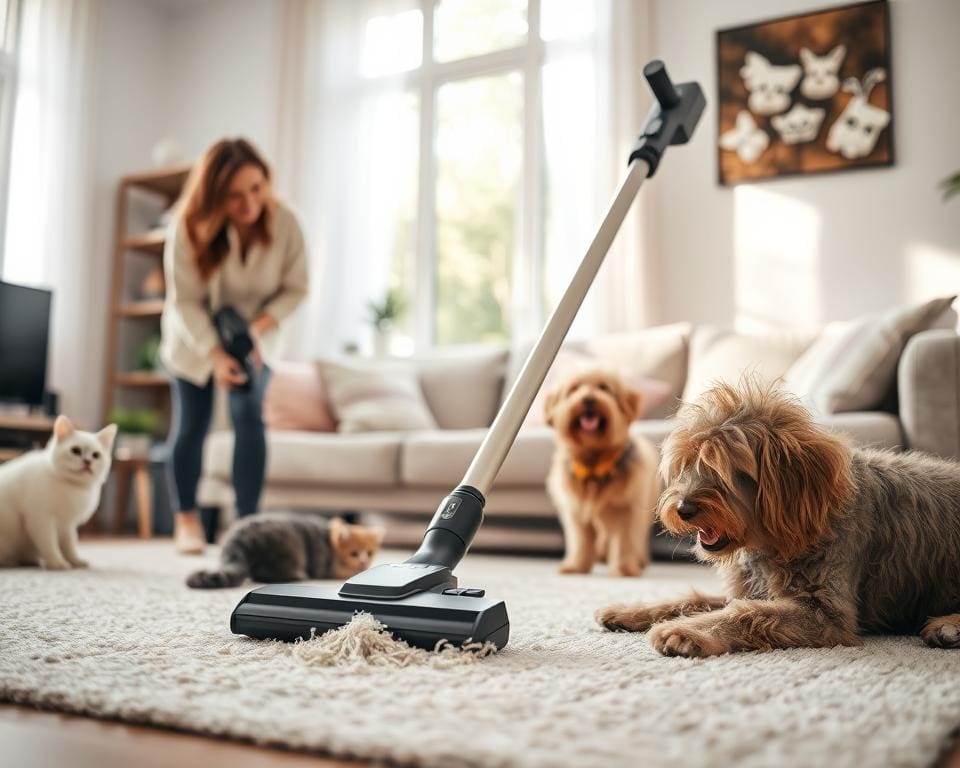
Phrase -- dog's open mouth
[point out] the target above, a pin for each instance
(711, 539)
(591, 423)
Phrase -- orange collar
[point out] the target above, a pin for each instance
(603, 468)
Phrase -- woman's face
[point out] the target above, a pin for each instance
(246, 195)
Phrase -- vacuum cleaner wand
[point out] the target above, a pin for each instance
(419, 600)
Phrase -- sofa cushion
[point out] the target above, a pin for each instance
(327, 458)
(658, 353)
(866, 429)
(365, 399)
(441, 458)
(852, 364)
(295, 399)
(723, 355)
(462, 387)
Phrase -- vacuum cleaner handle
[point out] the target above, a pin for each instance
(671, 120)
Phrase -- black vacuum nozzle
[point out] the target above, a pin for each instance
(234, 334)
(671, 119)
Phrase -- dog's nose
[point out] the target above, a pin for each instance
(687, 510)
(589, 402)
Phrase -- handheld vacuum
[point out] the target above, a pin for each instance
(419, 600)
(236, 341)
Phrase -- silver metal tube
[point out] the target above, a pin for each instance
(502, 433)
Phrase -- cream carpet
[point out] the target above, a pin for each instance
(127, 640)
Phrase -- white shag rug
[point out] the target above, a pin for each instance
(128, 640)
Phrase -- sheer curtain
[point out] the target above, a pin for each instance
(594, 101)
(49, 214)
(349, 164)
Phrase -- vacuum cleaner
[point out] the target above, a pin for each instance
(420, 600)
(236, 341)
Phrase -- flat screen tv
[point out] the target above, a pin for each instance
(24, 332)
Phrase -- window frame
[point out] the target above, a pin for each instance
(527, 310)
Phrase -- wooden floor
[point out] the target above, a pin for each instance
(33, 739)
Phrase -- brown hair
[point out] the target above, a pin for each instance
(202, 203)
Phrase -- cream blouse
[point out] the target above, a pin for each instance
(273, 279)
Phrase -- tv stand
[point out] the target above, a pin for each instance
(20, 433)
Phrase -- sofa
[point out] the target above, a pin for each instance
(400, 477)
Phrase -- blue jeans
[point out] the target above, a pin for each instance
(192, 410)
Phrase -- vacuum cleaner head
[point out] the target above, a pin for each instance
(290, 611)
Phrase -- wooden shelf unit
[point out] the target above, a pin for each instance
(164, 186)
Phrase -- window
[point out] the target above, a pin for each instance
(8, 38)
(482, 115)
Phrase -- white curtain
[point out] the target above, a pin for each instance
(49, 214)
(594, 101)
(346, 165)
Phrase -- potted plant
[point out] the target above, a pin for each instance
(951, 186)
(383, 316)
(136, 428)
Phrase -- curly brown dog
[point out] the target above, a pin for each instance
(818, 542)
(603, 482)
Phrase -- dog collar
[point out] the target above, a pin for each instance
(603, 469)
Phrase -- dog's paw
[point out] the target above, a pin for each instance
(942, 632)
(56, 565)
(628, 569)
(621, 617)
(78, 563)
(676, 639)
(568, 567)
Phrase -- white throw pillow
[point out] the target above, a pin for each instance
(723, 355)
(852, 364)
(364, 399)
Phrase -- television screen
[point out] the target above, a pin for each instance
(24, 328)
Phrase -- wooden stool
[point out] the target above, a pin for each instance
(140, 470)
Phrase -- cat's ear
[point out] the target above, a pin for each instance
(62, 428)
(338, 531)
(107, 435)
(378, 533)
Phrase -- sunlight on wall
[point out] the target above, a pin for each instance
(929, 271)
(776, 261)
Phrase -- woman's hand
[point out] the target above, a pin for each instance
(258, 327)
(227, 372)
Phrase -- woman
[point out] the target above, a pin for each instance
(232, 243)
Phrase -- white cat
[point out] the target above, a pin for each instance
(46, 494)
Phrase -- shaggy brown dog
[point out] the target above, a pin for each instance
(603, 482)
(818, 542)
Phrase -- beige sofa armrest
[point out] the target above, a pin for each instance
(929, 390)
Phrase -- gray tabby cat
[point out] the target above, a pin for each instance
(281, 546)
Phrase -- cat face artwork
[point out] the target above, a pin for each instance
(855, 132)
(354, 547)
(81, 457)
(820, 73)
(745, 138)
(799, 125)
(769, 85)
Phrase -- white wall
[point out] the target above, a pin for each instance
(223, 73)
(799, 251)
(131, 95)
